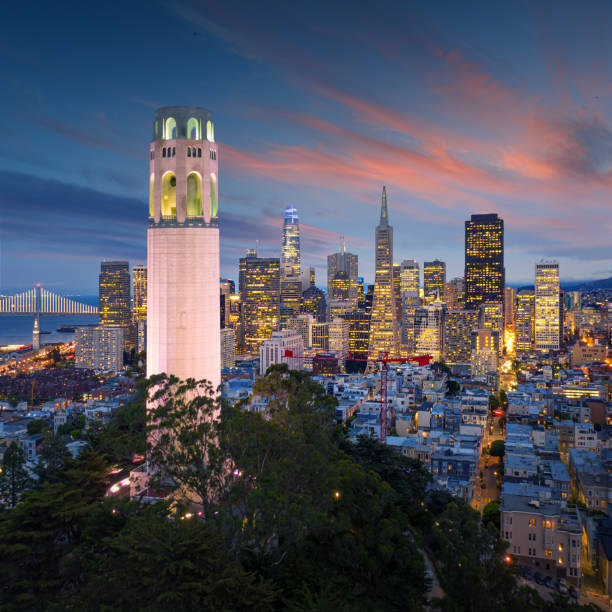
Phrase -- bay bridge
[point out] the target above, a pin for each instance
(38, 301)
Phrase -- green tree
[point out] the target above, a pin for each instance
(38, 536)
(53, 456)
(498, 448)
(491, 514)
(14, 479)
(503, 399)
(183, 427)
(468, 557)
(36, 426)
(452, 387)
(153, 563)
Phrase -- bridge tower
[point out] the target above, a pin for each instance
(36, 331)
(183, 336)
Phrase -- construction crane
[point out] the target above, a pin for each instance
(384, 360)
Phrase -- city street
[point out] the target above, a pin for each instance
(489, 467)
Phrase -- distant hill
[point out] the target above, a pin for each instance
(602, 283)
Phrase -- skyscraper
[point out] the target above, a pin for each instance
(509, 305)
(359, 333)
(485, 274)
(139, 293)
(429, 330)
(485, 351)
(434, 277)
(547, 306)
(290, 247)
(114, 285)
(290, 298)
(342, 261)
(139, 306)
(492, 317)
(313, 303)
(260, 297)
(183, 335)
(410, 276)
(384, 337)
(524, 321)
(458, 326)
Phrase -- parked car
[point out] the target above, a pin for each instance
(573, 593)
(549, 582)
(528, 573)
(539, 578)
(562, 587)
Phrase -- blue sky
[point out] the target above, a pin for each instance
(458, 108)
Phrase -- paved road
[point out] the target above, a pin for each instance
(489, 467)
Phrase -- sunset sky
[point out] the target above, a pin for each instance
(457, 107)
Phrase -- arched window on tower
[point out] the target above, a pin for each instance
(213, 195)
(168, 200)
(210, 131)
(152, 195)
(193, 129)
(170, 128)
(194, 195)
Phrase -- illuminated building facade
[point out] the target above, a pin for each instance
(290, 298)
(290, 247)
(314, 303)
(524, 321)
(275, 349)
(429, 330)
(347, 263)
(139, 293)
(338, 334)
(485, 351)
(509, 306)
(434, 277)
(336, 308)
(384, 335)
(492, 317)
(359, 333)
(485, 275)
(410, 276)
(302, 324)
(410, 302)
(458, 326)
(397, 291)
(260, 297)
(320, 336)
(114, 287)
(547, 306)
(228, 348)
(98, 347)
(183, 331)
(340, 287)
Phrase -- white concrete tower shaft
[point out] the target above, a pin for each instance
(183, 336)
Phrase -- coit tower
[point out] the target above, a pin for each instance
(183, 335)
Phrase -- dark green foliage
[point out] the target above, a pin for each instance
(491, 514)
(148, 562)
(452, 387)
(498, 448)
(14, 479)
(53, 456)
(36, 426)
(126, 434)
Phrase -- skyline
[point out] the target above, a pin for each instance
(458, 120)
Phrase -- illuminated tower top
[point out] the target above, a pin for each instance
(290, 248)
(384, 214)
(183, 178)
